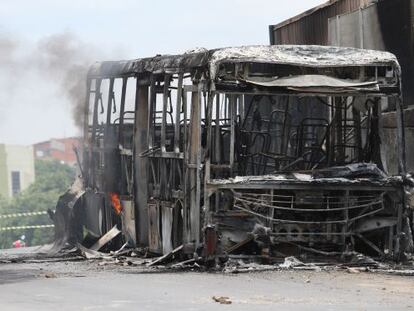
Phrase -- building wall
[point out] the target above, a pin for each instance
(57, 149)
(16, 159)
(359, 29)
(386, 25)
(4, 181)
(311, 27)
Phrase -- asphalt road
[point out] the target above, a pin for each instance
(90, 286)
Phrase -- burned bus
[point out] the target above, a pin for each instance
(257, 150)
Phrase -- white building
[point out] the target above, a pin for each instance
(17, 170)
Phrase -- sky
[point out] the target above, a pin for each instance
(33, 104)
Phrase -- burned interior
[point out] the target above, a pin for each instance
(261, 150)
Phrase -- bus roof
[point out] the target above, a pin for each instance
(296, 55)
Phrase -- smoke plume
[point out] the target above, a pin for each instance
(60, 60)
(68, 59)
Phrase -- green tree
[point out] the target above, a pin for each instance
(52, 180)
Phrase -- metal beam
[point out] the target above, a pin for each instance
(141, 163)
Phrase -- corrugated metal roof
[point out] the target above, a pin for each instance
(349, 3)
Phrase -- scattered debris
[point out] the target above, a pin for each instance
(353, 270)
(222, 300)
(184, 263)
(41, 255)
(91, 254)
(239, 266)
(291, 262)
(402, 272)
(166, 256)
(110, 235)
(360, 260)
(50, 275)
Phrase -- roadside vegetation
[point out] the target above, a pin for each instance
(52, 180)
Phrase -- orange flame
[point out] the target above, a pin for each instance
(116, 202)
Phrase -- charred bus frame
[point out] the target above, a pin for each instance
(252, 149)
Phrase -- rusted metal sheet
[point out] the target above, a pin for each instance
(154, 235)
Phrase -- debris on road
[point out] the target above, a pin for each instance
(110, 235)
(353, 270)
(89, 253)
(50, 275)
(293, 263)
(168, 256)
(239, 266)
(222, 300)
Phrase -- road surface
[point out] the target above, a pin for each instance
(83, 285)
